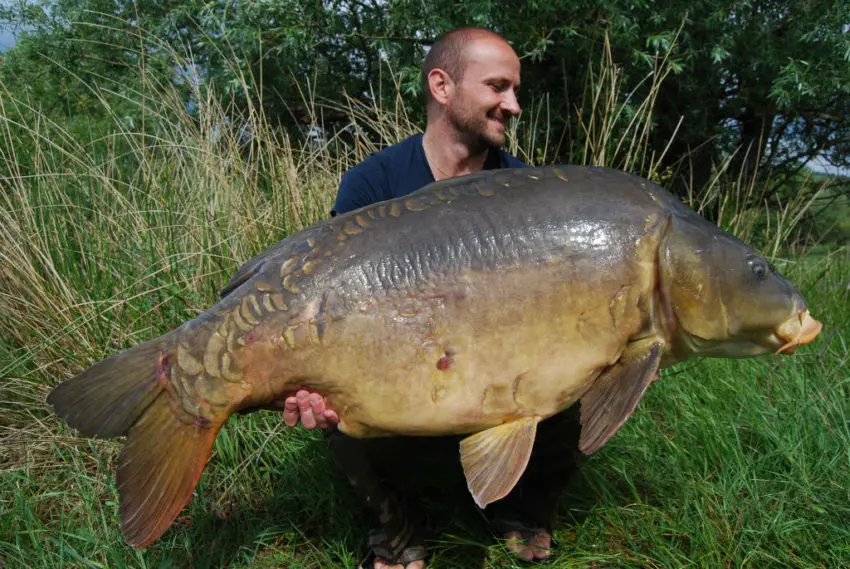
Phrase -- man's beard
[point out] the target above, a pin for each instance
(474, 131)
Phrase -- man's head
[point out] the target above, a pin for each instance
(470, 78)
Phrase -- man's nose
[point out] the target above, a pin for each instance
(510, 104)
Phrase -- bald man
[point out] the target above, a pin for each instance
(470, 78)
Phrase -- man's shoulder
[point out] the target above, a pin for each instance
(399, 152)
(380, 176)
(508, 160)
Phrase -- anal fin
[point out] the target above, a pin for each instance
(612, 398)
(493, 460)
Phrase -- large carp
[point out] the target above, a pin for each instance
(479, 305)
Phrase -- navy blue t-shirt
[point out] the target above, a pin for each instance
(397, 171)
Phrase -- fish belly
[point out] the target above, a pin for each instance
(474, 352)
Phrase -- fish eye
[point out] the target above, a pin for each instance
(759, 268)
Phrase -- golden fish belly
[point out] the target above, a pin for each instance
(474, 351)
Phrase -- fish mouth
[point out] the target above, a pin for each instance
(796, 331)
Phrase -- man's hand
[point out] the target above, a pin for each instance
(309, 409)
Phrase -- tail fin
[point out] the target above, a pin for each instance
(110, 396)
(160, 466)
(165, 452)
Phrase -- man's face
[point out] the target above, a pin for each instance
(484, 99)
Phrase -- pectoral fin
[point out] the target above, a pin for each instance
(614, 395)
(493, 460)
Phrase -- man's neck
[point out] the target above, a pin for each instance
(448, 156)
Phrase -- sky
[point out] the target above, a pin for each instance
(7, 39)
(822, 166)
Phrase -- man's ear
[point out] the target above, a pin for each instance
(442, 86)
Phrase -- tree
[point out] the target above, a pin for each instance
(762, 84)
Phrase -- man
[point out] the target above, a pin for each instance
(470, 79)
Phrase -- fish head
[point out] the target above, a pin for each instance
(723, 299)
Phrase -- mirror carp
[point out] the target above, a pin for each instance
(478, 305)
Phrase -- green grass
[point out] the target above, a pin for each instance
(105, 243)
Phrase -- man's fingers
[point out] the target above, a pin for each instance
(317, 404)
(308, 409)
(290, 411)
(331, 416)
(323, 417)
(327, 419)
(305, 410)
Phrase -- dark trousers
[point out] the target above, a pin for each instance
(376, 469)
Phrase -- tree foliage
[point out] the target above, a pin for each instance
(759, 85)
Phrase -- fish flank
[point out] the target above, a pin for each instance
(187, 362)
(215, 345)
(245, 312)
(289, 285)
(351, 228)
(279, 301)
(239, 321)
(286, 267)
(184, 386)
(227, 369)
(289, 338)
(416, 204)
(255, 305)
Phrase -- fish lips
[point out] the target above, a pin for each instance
(796, 331)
